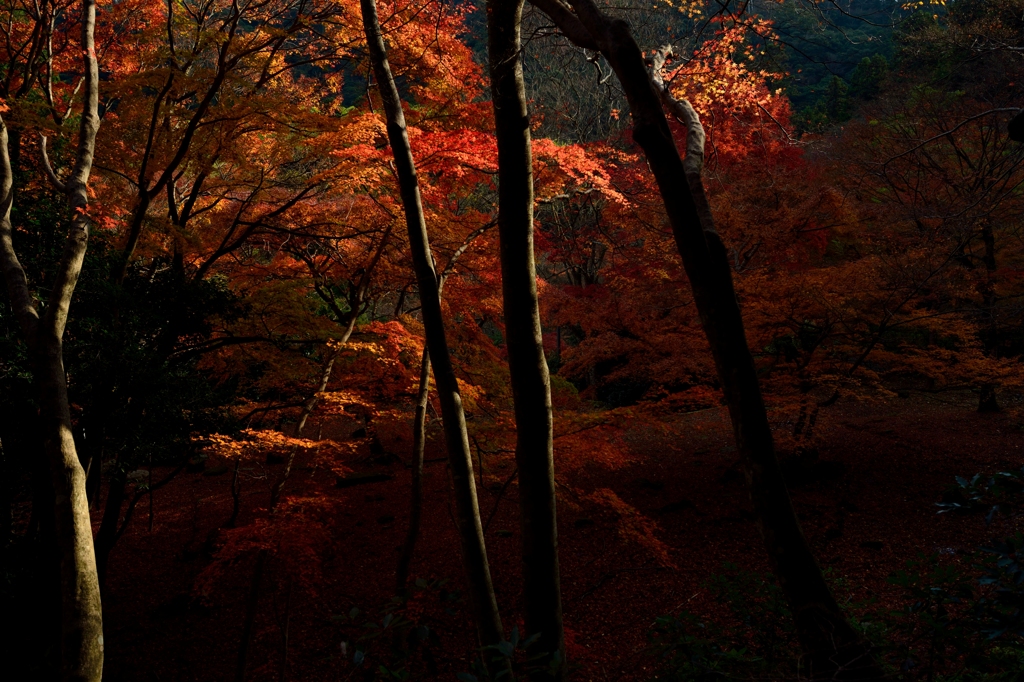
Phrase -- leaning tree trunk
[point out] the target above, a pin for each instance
(82, 620)
(419, 432)
(527, 365)
(309, 406)
(474, 553)
(834, 649)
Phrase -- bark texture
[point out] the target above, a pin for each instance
(833, 649)
(474, 553)
(82, 620)
(527, 364)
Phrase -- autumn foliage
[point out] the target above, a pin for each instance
(246, 213)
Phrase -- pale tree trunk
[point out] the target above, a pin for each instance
(355, 304)
(308, 407)
(474, 553)
(527, 365)
(834, 650)
(82, 621)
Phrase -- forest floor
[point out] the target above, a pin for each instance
(867, 506)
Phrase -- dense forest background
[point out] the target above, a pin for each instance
(249, 424)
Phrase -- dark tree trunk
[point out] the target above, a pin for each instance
(251, 606)
(474, 553)
(236, 496)
(106, 538)
(834, 649)
(987, 402)
(527, 365)
(419, 433)
(6, 517)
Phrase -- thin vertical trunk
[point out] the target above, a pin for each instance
(283, 676)
(474, 553)
(236, 496)
(251, 605)
(834, 649)
(527, 365)
(987, 401)
(419, 433)
(6, 517)
(106, 537)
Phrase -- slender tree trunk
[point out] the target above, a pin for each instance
(474, 553)
(527, 364)
(107, 535)
(310, 405)
(356, 302)
(6, 500)
(419, 433)
(251, 606)
(283, 676)
(834, 649)
(987, 402)
(138, 218)
(236, 496)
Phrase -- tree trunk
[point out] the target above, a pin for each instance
(987, 402)
(251, 606)
(356, 302)
(834, 649)
(6, 517)
(527, 365)
(82, 621)
(474, 553)
(309, 406)
(107, 535)
(419, 433)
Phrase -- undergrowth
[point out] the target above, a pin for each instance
(953, 620)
